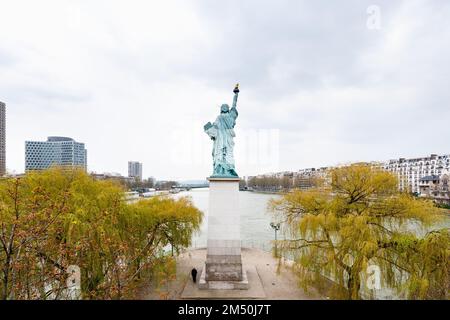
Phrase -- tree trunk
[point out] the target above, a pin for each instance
(6, 268)
(5, 287)
(353, 286)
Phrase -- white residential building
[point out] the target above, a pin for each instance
(436, 188)
(410, 171)
(135, 170)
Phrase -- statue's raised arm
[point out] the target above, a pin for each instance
(233, 111)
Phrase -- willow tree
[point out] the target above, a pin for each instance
(54, 219)
(359, 220)
(154, 230)
(31, 207)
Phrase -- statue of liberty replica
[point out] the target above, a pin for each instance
(222, 133)
(223, 267)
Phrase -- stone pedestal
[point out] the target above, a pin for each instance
(223, 267)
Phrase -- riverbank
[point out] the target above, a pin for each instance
(265, 192)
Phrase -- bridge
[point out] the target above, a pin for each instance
(189, 186)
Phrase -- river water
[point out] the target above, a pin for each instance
(255, 218)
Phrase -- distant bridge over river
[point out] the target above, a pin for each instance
(189, 186)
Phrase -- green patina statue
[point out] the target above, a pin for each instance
(222, 133)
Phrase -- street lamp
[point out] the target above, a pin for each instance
(276, 228)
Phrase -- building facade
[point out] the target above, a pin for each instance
(112, 176)
(308, 178)
(2, 139)
(436, 187)
(410, 171)
(135, 170)
(59, 151)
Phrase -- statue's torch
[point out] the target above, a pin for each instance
(236, 88)
(236, 91)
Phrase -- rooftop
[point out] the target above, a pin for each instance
(430, 178)
(57, 139)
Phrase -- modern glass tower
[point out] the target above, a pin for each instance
(59, 151)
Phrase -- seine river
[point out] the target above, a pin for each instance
(255, 218)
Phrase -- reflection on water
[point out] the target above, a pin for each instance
(255, 218)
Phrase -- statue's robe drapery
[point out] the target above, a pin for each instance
(222, 132)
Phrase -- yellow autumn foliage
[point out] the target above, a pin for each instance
(361, 219)
(57, 218)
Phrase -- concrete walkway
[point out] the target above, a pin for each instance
(282, 285)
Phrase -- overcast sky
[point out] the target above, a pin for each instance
(322, 82)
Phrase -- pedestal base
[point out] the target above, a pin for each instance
(205, 284)
(223, 267)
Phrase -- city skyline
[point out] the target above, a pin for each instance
(329, 89)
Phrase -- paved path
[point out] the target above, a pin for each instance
(281, 285)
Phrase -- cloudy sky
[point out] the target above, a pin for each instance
(322, 82)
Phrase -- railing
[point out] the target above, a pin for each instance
(252, 244)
